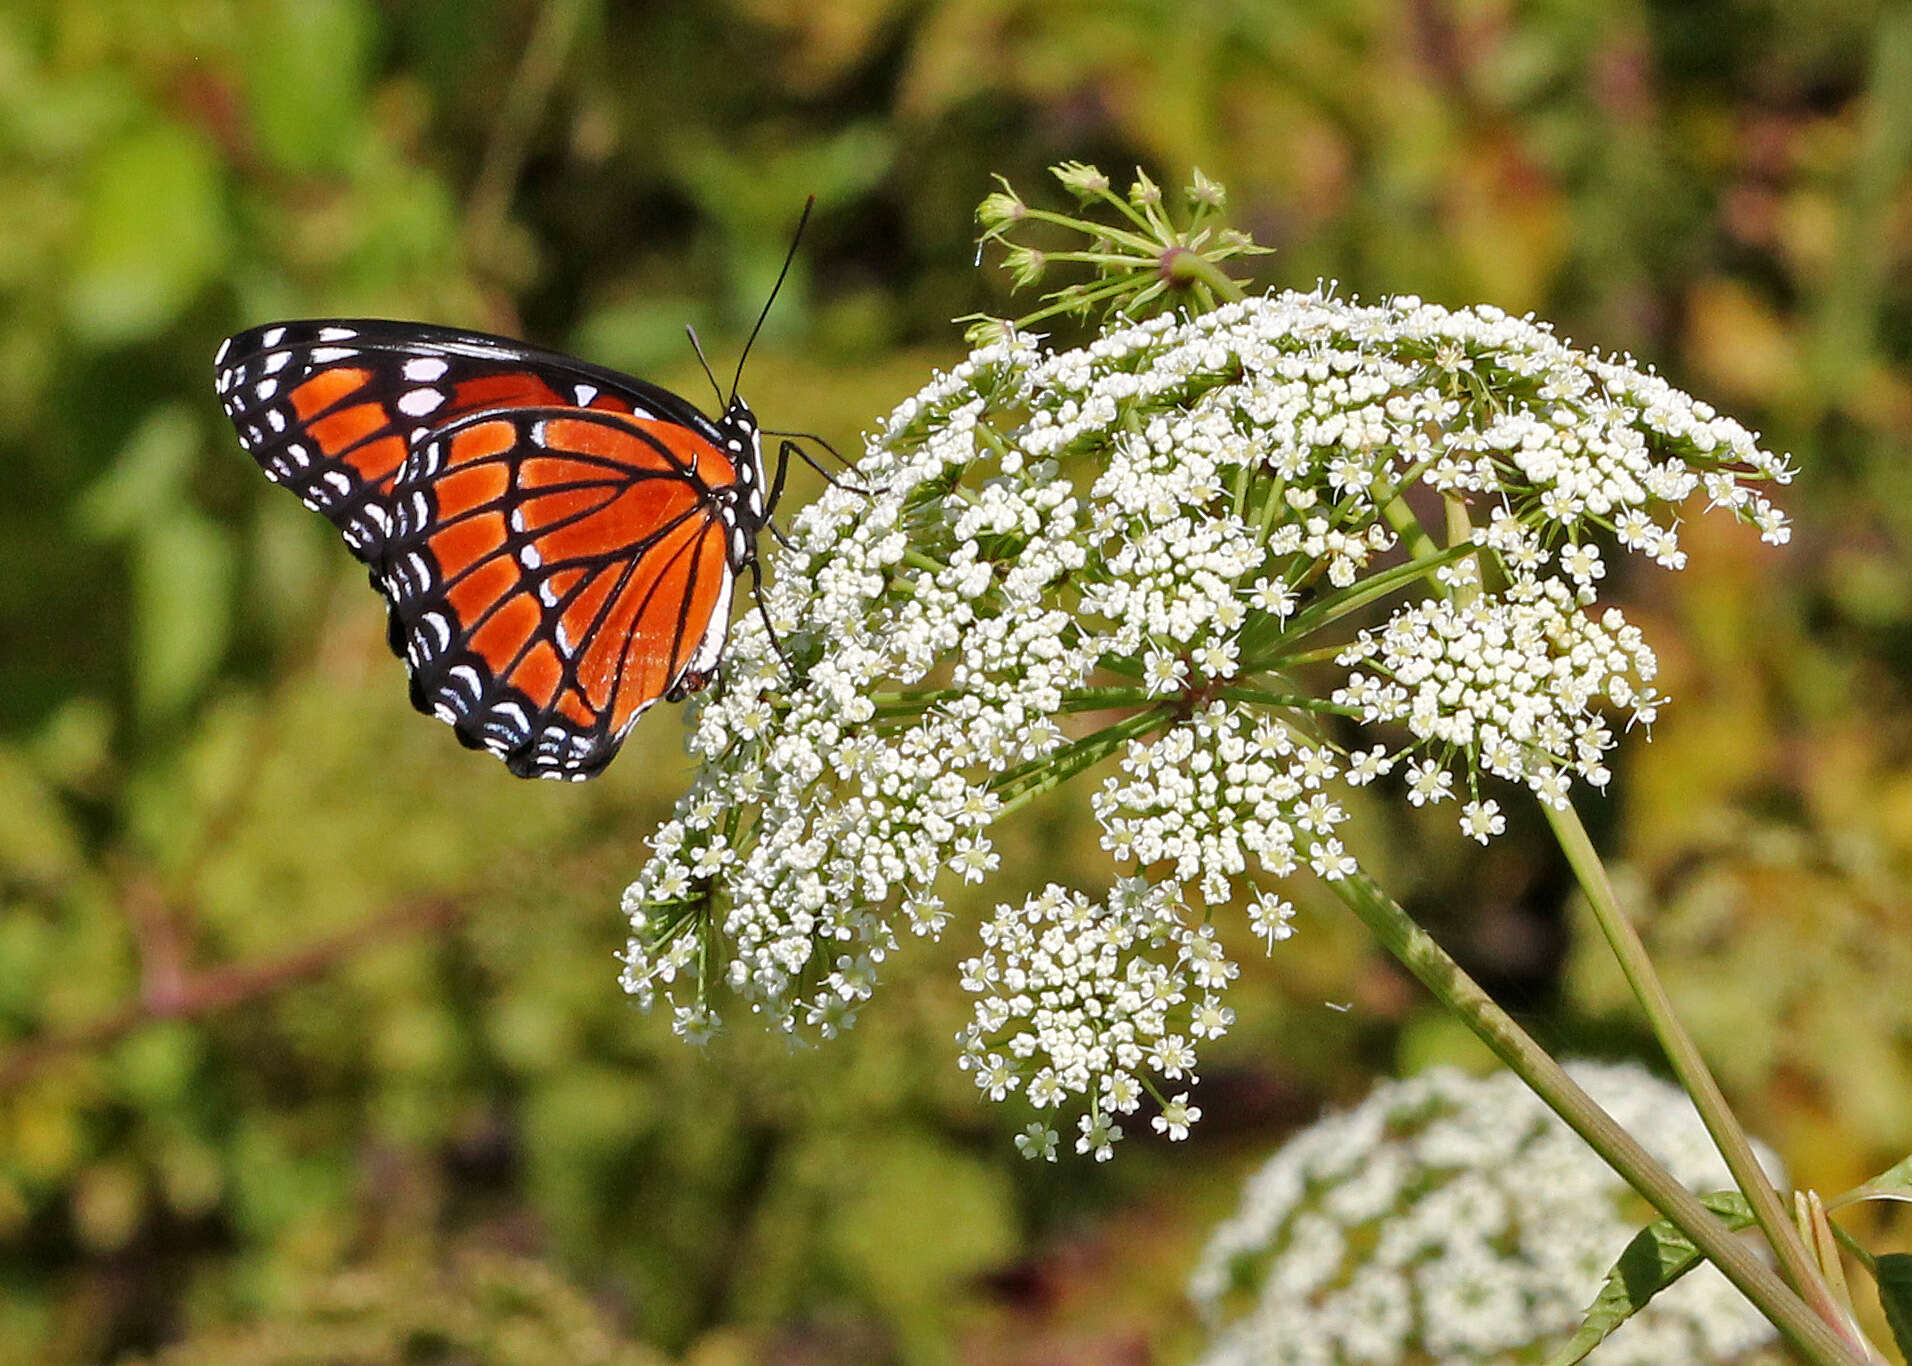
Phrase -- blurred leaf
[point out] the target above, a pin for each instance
(305, 64)
(1658, 1256)
(76, 741)
(152, 232)
(147, 476)
(922, 1219)
(108, 1200)
(37, 840)
(183, 572)
(157, 1063)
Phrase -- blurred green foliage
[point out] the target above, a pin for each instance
(300, 1003)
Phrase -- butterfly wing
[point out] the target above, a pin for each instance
(552, 572)
(544, 530)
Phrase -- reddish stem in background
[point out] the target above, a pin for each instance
(169, 990)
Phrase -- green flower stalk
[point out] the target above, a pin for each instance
(1142, 260)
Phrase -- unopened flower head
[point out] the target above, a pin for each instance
(1450, 1218)
(1207, 553)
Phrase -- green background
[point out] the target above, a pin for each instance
(311, 1047)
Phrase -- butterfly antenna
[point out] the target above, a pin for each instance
(698, 347)
(789, 257)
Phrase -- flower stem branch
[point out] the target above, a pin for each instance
(1795, 1261)
(1814, 1339)
(1183, 266)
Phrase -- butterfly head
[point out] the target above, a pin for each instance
(743, 443)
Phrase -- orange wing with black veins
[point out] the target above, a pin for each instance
(551, 573)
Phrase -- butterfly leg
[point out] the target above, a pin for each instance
(783, 470)
(790, 447)
(776, 641)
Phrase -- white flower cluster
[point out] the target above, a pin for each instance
(1176, 548)
(1063, 981)
(1452, 1218)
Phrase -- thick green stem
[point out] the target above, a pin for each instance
(1795, 1261)
(1408, 527)
(1440, 974)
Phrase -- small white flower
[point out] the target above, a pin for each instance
(1482, 820)
(1271, 918)
(1175, 1118)
(1038, 1141)
(1163, 672)
(1098, 1136)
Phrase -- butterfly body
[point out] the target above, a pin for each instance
(558, 544)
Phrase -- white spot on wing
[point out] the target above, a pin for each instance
(711, 648)
(273, 337)
(336, 334)
(266, 388)
(219, 356)
(418, 402)
(585, 393)
(425, 369)
(277, 362)
(275, 419)
(325, 355)
(529, 557)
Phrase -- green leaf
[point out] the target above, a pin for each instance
(1894, 1183)
(305, 80)
(147, 475)
(1894, 1272)
(183, 571)
(1658, 1256)
(151, 233)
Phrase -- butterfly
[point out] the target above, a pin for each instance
(557, 543)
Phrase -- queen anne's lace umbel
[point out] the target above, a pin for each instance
(1194, 547)
(1453, 1218)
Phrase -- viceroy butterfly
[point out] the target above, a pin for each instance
(557, 543)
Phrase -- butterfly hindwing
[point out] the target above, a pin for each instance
(551, 574)
(557, 543)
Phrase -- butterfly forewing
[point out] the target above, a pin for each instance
(557, 543)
